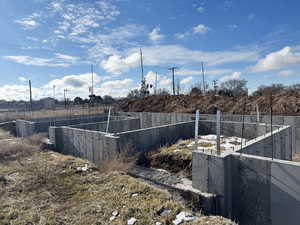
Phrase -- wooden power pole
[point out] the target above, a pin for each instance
(30, 95)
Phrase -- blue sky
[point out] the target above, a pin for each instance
(54, 43)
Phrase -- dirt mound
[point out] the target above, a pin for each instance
(286, 103)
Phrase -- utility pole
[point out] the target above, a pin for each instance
(144, 88)
(173, 81)
(65, 99)
(92, 91)
(54, 91)
(203, 78)
(215, 84)
(30, 95)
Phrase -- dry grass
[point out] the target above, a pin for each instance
(5, 134)
(46, 188)
(296, 157)
(120, 163)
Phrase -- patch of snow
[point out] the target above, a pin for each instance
(183, 216)
(82, 169)
(158, 223)
(115, 213)
(112, 218)
(134, 195)
(165, 212)
(131, 221)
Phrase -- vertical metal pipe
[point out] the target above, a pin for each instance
(108, 118)
(218, 132)
(196, 128)
(257, 114)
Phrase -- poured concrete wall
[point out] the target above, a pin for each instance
(251, 130)
(149, 119)
(98, 146)
(293, 121)
(262, 146)
(265, 191)
(115, 126)
(92, 145)
(28, 128)
(144, 140)
(252, 190)
(9, 126)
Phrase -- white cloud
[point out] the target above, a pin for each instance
(162, 81)
(233, 76)
(286, 72)
(186, 80)
(287, 56)
(66, 57)
(232, 26)
(76, 85)
(28, 23)
(164, 55)
(155, 35)
(182, 35)
(59, 60)
(22, 79)
(116, 84)
(116, 64)
(200, 9)
(106, 44)
(201, 29)
(210, 72)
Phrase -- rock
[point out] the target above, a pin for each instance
(164, 212)
(131, 221)
(115, 213)
(82, 169)
(135, 194)
(3, 180)
(158, 223)
(112, 218)
(183, 216)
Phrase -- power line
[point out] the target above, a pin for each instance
(173, 81)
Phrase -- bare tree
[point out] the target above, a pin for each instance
(233, 88)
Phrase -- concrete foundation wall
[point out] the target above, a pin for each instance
(251, 130)
(262, 146)
(85, 116)
(115, 126)
(9, 126)
(252, 190)
(99, 146)
(25, 128)
(92, 145)
(144, 140)
(149, 119)
(293, 121)
(28, 128)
